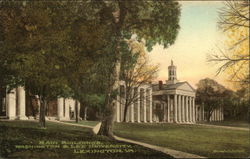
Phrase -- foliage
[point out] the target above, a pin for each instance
(152, 21)
(235, 103)
(51, 45)
(234, 59)
(43, 47)
(136, 70)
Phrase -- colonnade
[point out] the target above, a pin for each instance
(140, 109)
(217, 114)
(200, 113)
(15, 104)
(179, 109)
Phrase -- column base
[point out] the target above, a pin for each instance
(12, 117)
(22, 118)
(31, 118)
(64, 119)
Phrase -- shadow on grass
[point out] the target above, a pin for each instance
(18, 133)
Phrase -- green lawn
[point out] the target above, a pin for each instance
(16, 136)
(196, 139)
(242, 124)
(88, 123)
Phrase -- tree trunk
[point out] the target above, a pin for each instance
(43, 104)
(209, 115)
(107, 121)
(125, 112)
(106, 128)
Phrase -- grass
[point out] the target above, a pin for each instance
(241, 124)
(195, 139)
(18, 133)
(88, 123)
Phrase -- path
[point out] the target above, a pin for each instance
(224, 127)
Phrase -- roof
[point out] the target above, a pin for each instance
(171, 86)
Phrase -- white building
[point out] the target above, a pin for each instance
(172, 101)
(14, 105)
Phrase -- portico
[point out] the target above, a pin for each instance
(174, 100)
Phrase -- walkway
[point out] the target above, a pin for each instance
(224, 127)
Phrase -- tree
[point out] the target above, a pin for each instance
(47, 36)
(234, 59)
(38, 45)
(236, 104)
(135, 71)
(154, 21)
(210, 94)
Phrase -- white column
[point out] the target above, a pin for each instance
(150, 105)
(179, 109)
(132, 118)
(11, 104)
(190, 109)
(175, 108)
(132, 113)
(67, 109)
(122, 103)
(168, 112)
(79, 109)
(186, 106)
(216, 114)
(213, 116)
(118, 107)
(220, 113)
(164, 112)
(60, 108)
(203, 113)
(144, 105)
(193, 108)
(182, 109)
(21, 103)
(138, 106)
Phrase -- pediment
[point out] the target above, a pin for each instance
(186, 87)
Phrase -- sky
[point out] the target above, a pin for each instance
(197, 37)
